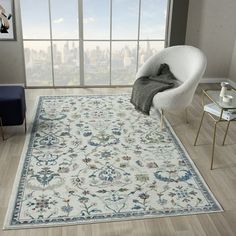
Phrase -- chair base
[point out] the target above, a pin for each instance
(162, 120)
(163, 115)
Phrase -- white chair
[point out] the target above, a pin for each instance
(188, 64)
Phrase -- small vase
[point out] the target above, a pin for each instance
(224, 86)
(223, 91)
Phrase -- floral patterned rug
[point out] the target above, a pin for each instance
(95, 158)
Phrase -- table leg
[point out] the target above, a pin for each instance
(25, 124)
(213, 145)
(186, 115)
(162, 119)
(1, 128)
(195, 142)
(227, 128)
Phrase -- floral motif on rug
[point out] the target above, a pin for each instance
(95, 158)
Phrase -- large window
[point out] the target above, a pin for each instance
(90, 42)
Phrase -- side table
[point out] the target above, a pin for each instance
(220, 114)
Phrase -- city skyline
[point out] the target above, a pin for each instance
(121, 32)
(96, 63)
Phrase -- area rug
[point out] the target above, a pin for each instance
(92, 159)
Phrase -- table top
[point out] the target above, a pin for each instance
(214, 96)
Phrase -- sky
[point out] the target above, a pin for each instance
(64, 14)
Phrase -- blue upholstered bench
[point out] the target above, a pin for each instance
(12, 106)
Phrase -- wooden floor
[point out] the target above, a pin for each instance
(221, 180)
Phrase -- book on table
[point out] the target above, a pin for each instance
(216, 110)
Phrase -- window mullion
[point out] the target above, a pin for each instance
(167, 26)
(51, 43)
(110, 37)
(81, 41)
(139, 19)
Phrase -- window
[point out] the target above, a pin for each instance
(90, 42)
(96, 63)
(124, 61)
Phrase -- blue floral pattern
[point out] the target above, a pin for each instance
(97, 158)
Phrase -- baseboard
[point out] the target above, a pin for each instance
(23, 85)
(218, 80)
(202, 81)
(207, 80)
(232, 83)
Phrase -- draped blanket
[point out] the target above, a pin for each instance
(146, 87)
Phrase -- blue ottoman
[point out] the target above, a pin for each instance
(12, 106)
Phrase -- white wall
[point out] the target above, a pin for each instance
(232, 71)
(11, 56)
(212, 27)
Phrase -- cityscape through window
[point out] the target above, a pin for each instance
(90, 42)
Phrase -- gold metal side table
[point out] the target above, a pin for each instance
(214, 97)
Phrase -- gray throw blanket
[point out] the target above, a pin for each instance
(146, 87)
